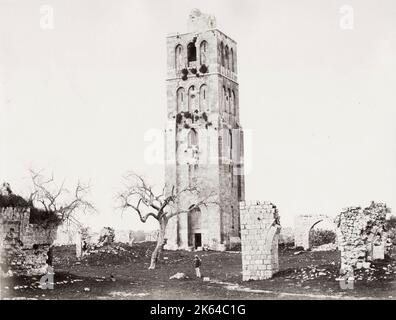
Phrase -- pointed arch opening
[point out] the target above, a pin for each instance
(222, 54)
(232, 60)
(203, 49)
(192, 99)
(180, 100)
(234, 105)
(191, 53)
(179, 57)
(192, 138)
(226, 57)
(203, 98)
(230, 107)
(224, 106)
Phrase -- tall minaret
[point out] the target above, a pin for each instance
(203, 136)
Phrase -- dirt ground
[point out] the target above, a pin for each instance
(121, 272)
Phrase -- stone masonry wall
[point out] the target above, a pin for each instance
(24, 251)
(260, 228)
(203, 110)
(361, 236)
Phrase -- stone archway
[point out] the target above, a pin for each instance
(195, 228)
(303, 225)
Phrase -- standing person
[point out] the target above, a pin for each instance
(197, 264)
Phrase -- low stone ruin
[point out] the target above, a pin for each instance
(362, 237)
(260, 228)
(26, 235)
(24, 244)
(107, 236)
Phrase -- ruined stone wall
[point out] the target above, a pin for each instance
(260, 228)
(25, 250)
(361, 236)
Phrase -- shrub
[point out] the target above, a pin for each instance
(318, 237)
(43, 217)
(188, 115)
(203, 68)
(13, 200)
(179, 118)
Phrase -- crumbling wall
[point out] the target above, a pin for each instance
(302, 226)
(362, 236)
(24, 246)
(260, 228)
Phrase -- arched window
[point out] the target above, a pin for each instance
(222, 53)
(192, 99)
(203, 51)
(224, 106)
(192, 138)
(230, 107)
(179, 57)
(227, 58)
(180, 97)
(232, 218)
(232, 60)
(234, 105)
(230, 143)
(203, 97)
(191, 52)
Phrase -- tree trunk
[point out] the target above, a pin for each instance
(160, 244)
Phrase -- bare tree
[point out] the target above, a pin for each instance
(56, 199)
(139, 196)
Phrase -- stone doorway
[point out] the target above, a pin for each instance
(197, 240)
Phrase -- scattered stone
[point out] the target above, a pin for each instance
(326, 247)
(179, 276)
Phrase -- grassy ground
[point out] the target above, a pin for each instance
(121, 272)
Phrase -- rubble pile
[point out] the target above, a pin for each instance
(114, 253)
(362, 237)
(27, 262)
(312, 273)
(179, 276)
(379, 270)
(107, 236)
(326, 247)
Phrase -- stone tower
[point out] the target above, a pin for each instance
(203, 136)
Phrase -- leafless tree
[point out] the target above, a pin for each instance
(162, 205)
(56, 199)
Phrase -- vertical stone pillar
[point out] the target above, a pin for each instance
(260, 228)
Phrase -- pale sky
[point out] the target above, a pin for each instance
(317, 101)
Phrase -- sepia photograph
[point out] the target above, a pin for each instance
(212, 152)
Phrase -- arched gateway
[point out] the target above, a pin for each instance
(303, 225)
